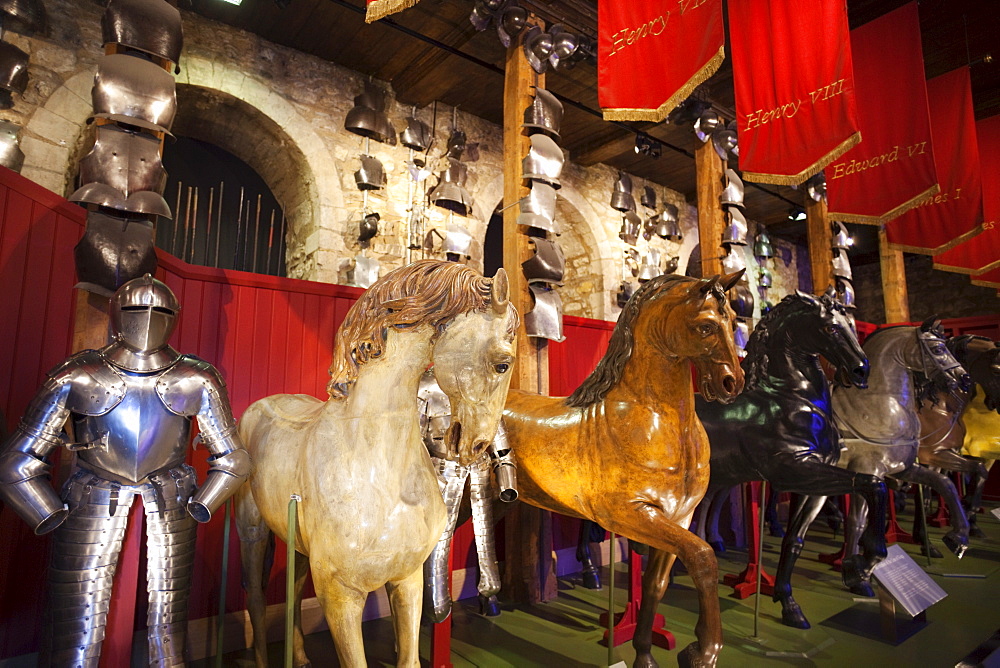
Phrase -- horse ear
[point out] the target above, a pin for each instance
(932, 323)
(729, 280)
(499, 293)
(830, 292)
(709, 285)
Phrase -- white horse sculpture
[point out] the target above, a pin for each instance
(371, 510)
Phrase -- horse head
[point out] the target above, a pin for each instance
(981, 357)
(473, 359)
(830, 332)
(701, 328)
(936, 363)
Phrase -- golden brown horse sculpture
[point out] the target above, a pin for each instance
(627, 450)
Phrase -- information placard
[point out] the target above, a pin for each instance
(903, 578)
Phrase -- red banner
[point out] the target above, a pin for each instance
(892, 169)
(650, 58)
(981, 253)
(795, 107)
(379, 9)
(955, 214)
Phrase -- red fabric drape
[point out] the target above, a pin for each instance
(892, 169)
(378, 9)
(795, 103)
(955, 214)
(981, 253)
(651, 54)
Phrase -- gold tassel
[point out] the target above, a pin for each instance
(661, 112)
(382, 8)
(940, 249)
(815, 168)
(885, 218)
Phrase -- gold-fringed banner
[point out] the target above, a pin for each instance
(892, 170)
(795, 104)
(652, 54)
(981, 254)
(955, 214)
(379, 9)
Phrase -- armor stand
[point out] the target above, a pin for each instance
(745, 583)
(441, 632)
(625, 622)
(895, 533)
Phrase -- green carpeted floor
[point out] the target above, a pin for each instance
(565, 632)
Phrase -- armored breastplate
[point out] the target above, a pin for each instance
(135, 438)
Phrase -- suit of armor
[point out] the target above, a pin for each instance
(130, 407)
(435, 418)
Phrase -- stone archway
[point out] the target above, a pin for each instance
(236, 112)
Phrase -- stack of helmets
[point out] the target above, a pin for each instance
(542, 168)
(121, 179)
(842, 275)
(734, 239)
(370, 176)
(368, 118)
(451, 194)
(763, 250)
(28, 18)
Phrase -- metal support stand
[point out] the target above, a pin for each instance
(293, 507)
(624, 628)
(220, 624)
(922, 515)
(611, 599)
(760, 565)
(752, 578)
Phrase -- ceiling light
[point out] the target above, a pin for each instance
(797, 214)
(233, 2)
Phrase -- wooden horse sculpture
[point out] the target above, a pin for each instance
(942, 420)
(627, 450)
(371, 509)
(880, 427)
(781, 429)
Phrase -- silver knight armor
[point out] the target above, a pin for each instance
(130, 405)
(435, 418)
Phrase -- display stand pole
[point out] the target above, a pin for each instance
(293, 507)
(220, 625)
(819, 236)
(922, 514)
(611, 599)
(711, 222)
(835, 559)
(895, 533)
(760, 565)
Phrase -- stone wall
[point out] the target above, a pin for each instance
(931, 292)
(282, 112)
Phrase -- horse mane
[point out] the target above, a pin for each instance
(756, 361)
(424, 292)
(609, 370)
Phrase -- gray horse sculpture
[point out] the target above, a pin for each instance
(880, 427)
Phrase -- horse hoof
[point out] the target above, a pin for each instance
(591, 578)
(935, 553)
(792, 616)
(956, 543)
(489, 606)
(645, 661)
(692, 657)
(718, 546)
(862, 588)
(855, 578)
(975, 531)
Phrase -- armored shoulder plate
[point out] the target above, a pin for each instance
(187, 386)
(93, 386)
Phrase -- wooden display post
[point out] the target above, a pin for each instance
(897, 306)
(744, 583)
(711, 222)
(528, 574)
(820, 236)
(625, 621)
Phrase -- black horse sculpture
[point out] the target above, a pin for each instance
(781, 429)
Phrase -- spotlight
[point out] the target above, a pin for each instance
(642, 143)
(646, 145)
(796, 214)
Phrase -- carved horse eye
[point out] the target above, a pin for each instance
(832, 329)
(501, 368)
(706, 329)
